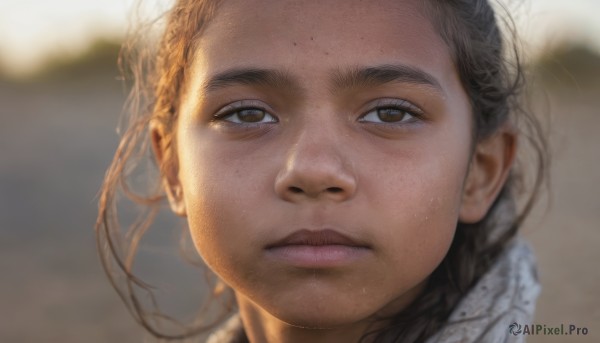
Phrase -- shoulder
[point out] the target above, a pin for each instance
(501, 302)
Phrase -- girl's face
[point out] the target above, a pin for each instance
(345, 122)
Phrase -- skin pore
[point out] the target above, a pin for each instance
(349, 118)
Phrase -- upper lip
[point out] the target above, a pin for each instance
(316, 238)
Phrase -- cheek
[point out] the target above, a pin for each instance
(417, 208)
(221, 194)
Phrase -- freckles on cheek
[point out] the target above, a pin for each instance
(216, 232)
(218, 208)
(426, 204)
(200, 185)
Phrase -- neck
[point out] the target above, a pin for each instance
(262, 327)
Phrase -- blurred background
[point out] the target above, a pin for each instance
(60, 101)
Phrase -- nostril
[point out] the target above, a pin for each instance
(331, 190)
(295, 190)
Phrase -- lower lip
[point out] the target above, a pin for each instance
(321, 256)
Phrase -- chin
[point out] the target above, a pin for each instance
(317, 322)
(320, 316)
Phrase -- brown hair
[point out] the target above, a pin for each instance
(492, 76)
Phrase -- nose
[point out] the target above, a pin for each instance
(316, 167)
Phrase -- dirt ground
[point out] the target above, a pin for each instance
(57, 139)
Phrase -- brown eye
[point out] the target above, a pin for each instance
(249, 115)
(390, 115)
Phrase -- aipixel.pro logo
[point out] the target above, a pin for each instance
(545, 330)
(515, 328)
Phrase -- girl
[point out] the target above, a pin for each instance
(345, 168)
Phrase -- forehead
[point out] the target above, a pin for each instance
(310, 37)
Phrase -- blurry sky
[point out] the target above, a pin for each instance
(31, 30)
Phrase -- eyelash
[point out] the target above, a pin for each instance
(237, 108)
(403, 106)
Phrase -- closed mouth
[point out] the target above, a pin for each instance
(317, 238)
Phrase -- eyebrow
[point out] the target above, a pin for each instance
(382, 74)
(340, 79)
(272, 78)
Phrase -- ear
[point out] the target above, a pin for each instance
(489, 168)
(162, 145)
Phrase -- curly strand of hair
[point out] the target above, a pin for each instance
(157, 78)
